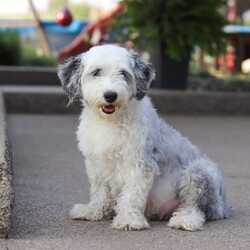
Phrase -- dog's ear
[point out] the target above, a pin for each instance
(69, 73)
(144, 74)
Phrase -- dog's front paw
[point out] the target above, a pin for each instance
(187, 219)
(84, 212)
(78, 212)
(129, 224)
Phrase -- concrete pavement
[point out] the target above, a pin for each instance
(49, 178)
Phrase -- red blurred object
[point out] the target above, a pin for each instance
(64, 17)
(84, 41)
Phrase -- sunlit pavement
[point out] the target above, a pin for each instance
(49, 177)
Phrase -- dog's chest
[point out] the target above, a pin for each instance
(111, 151)
(106, 141)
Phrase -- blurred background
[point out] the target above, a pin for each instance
(199, 45)
(18, 26)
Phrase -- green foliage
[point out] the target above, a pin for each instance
(80, 11)
(194, 71)
(12, 52)
(10, 48)
(30, 58)
(58, 4)
(177, 25)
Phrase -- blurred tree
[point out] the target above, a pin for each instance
(10, 48)
(79, 10)
(57, 4)
(175, 26)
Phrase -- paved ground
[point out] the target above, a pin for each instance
(49, 178)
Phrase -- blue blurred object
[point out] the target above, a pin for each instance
(236, 29)
(58, 36)
(74, 28)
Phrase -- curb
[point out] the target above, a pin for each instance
(201, 102)
(37, 100)
(42, 100)
(6, 191)
(27, 75)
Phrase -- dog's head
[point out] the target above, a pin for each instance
(106, 77)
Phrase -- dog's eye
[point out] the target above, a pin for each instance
(96, 72)
(124, 73)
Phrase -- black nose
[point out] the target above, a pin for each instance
(110, 96)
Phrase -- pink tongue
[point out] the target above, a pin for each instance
(109, 108)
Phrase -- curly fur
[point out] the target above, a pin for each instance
(138, 166)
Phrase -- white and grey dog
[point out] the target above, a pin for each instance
(138, 166)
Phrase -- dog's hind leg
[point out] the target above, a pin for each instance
(192, 192)
(217, 208)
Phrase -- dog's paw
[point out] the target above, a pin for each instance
(83, 212)
(78, 211)
(188, 219)
(130, 224)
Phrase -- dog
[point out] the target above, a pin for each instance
(139, 167)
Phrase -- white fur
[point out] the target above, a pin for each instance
(187, 219)
(138, 166)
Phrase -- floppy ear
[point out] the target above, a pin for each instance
(144, 74)
(69, 73)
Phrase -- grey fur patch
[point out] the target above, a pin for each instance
(217, 209)
(144, 74)
(69, 73)
(196, 189)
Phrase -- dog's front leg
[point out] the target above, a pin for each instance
(132, 202)
(99, 207)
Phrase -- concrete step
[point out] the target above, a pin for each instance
(26, 75)
(45, 99)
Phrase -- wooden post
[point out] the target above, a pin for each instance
(41, 34)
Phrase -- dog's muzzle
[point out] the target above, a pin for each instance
(110, 97)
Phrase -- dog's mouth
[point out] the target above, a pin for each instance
(108, 109)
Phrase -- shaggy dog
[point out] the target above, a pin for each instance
(138, 166)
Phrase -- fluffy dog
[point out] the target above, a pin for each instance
(138, 166)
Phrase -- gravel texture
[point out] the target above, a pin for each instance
(6, 193)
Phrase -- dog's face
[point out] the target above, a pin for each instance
(106, 78)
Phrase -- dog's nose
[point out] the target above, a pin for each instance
(110, 96)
